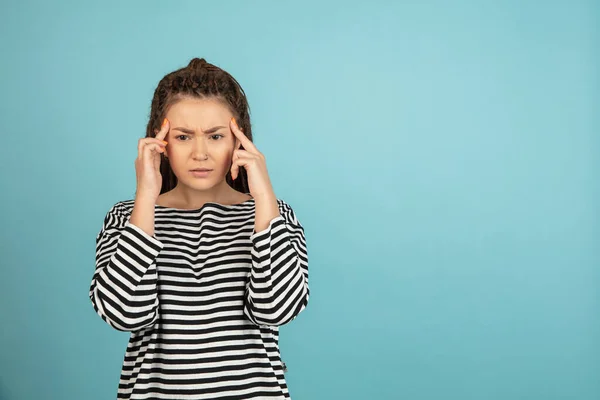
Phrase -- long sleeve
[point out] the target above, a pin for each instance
(277, 290)
(124, 286)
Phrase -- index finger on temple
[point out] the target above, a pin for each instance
(242, 138)
(164, 129)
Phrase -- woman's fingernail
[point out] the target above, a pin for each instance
(234, 121)
(165, 142)
(164, 123)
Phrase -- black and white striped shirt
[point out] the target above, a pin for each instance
(203, 299)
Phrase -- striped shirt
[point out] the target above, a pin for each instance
(203, 299)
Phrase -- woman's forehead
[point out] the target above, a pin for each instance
(199, 113)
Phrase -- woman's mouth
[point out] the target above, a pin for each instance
(200, 172)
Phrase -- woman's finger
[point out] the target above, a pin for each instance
(240, 162)
(164, 129)
(152, 147)
(145, 141)
(244, 154)
(237, 132)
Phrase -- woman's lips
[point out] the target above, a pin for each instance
(201, 173)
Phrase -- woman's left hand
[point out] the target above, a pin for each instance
(254, 162)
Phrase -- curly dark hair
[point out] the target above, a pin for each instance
(199, 79)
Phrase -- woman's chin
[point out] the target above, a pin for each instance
(201, 182)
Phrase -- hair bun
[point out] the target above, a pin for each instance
(197, 63)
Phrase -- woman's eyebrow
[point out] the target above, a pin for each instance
(191, 131)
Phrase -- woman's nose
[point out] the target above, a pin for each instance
(200, 149)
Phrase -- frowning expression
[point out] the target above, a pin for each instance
(200, 138)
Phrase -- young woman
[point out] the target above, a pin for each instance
(206, 263)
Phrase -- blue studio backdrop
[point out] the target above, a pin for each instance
(443, 158)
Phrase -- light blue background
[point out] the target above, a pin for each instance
(442, 156)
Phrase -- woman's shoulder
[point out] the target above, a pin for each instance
(121, 207)
(283, 204)
(126, 206)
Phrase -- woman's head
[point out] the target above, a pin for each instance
(196, 99)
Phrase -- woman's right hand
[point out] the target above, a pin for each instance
(147, 164)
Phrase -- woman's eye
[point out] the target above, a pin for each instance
(185, 137)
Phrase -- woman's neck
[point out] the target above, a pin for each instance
(185, 197)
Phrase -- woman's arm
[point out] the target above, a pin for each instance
(278, 287)
(124, 286)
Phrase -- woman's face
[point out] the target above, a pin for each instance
(200, 137)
